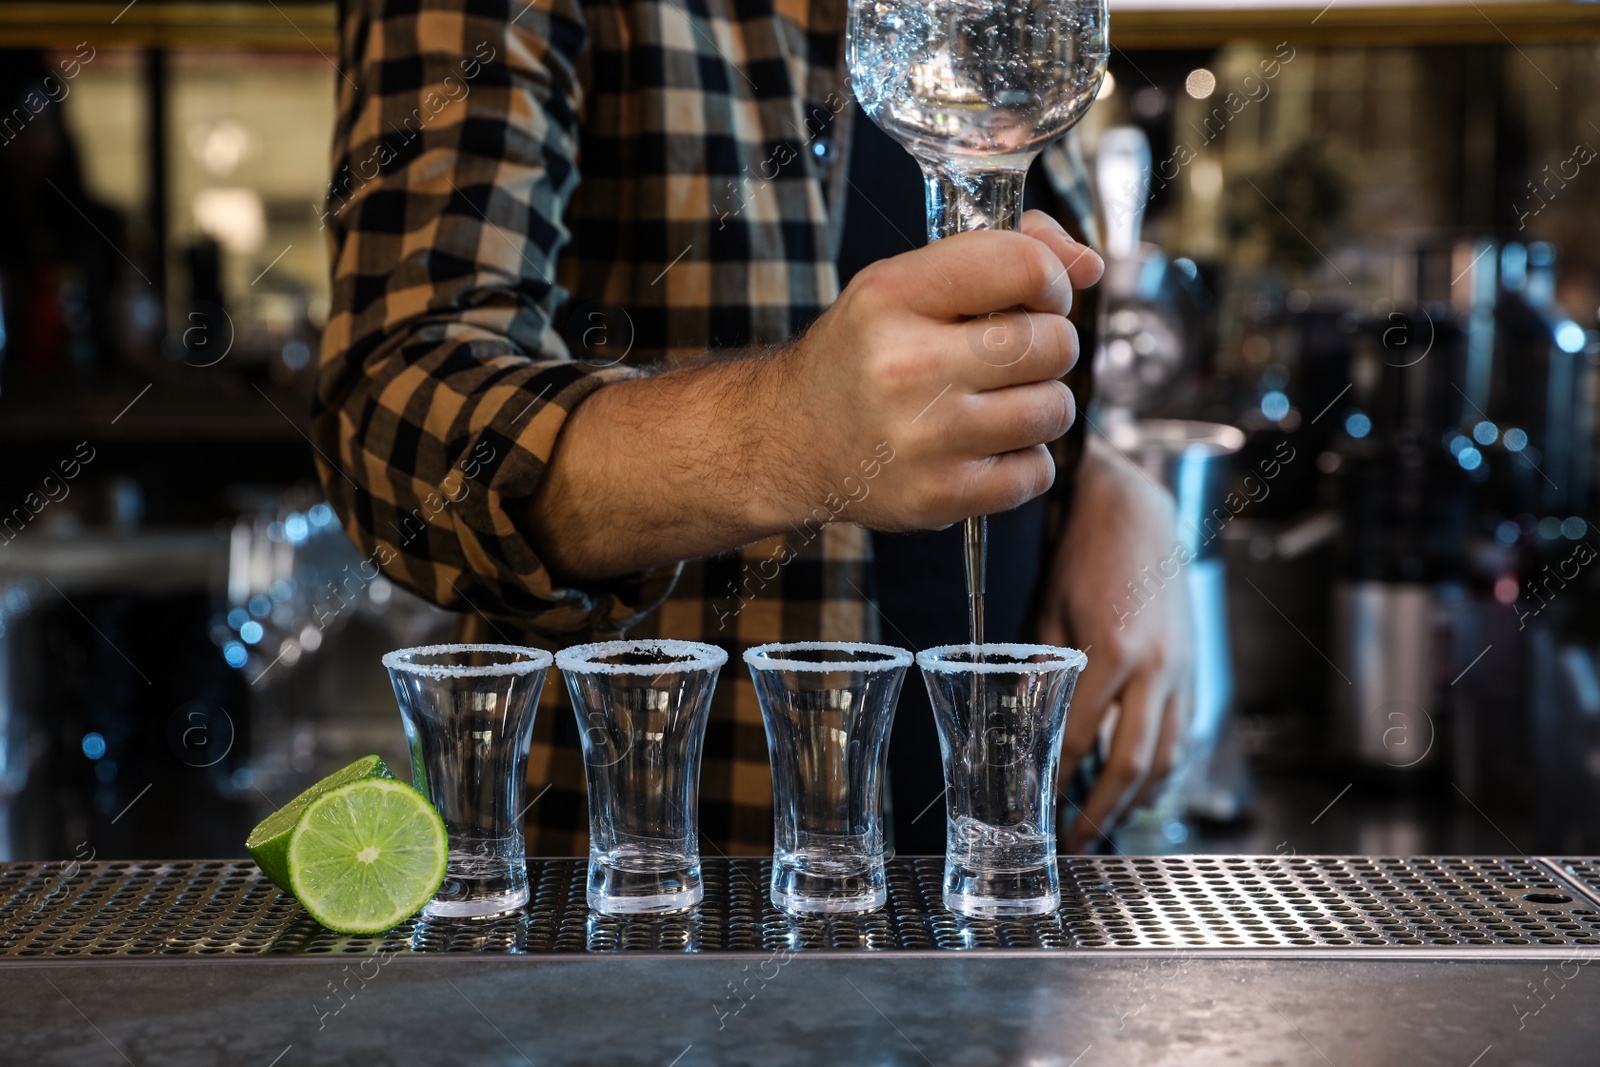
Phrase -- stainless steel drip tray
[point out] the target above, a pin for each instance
(1441, 906)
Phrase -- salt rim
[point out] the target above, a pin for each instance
(897, 657)
(540, 661)
(694, 656)
(1064, 659)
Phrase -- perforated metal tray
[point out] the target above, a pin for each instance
(1583, 872)
(227, 908)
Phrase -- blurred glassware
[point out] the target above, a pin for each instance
(5, 338)
(15, 607)
(299, 592)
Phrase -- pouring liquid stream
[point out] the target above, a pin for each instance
(977, 552)
(977, 556)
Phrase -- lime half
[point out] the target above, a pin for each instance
(367, 855)
(268, 843)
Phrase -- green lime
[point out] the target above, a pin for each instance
(367, 855)
(269, 842)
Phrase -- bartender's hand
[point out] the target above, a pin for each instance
(925, 394)
(952, 354)
(1139, 656)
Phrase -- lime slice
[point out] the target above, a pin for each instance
(269, 842)
(367, 855)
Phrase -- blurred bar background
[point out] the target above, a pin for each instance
(1352, 323)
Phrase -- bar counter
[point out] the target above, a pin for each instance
(1261, 959)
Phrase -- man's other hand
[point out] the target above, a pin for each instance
(1102, 598)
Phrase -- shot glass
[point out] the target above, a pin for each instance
(827, 706)
(468, 712)
(1000, 711)
(642, 708)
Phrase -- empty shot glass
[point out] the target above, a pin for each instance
(827, 706)
(1001, 710)
(642, 708)
(468, 712)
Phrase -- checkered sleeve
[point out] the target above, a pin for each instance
(443, 381)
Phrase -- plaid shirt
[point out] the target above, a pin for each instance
(481, 290)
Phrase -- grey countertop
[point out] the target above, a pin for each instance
(951, 1011)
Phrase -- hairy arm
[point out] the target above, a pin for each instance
(662, 468)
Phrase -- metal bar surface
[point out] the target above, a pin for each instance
(1239, 906)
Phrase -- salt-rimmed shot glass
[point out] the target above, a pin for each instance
(468, 712)
(1001, 710)
(642, 708)
(827, 706)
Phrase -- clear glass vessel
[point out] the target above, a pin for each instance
(976, 84)
(827, 706)
(642, 708)
(468, 712)
(1001, 710)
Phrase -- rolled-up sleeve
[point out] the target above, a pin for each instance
(443, 383)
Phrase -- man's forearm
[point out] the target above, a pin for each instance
(654, 470)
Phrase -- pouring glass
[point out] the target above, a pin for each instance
(974, 90)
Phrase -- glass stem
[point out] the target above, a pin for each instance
(960, 200)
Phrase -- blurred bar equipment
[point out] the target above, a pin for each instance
(1397, 601)
(15, 750)
(1538, 496)
(301, 603)
(1193, 460)
(80, 742)
(1465, 465)
(1141, 350)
